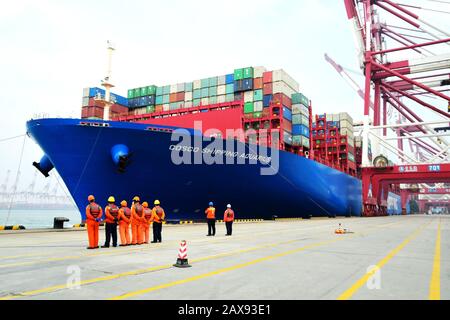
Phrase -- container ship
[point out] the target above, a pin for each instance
(247, 138)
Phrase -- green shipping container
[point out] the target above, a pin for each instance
(296, 119)
(258, 95)
(189, 86)
(205, 92)
(197, 94)
(298, 98)
(230, 88)
(248, 107)
(238, 74)
(213, 91)
(166, 99)
(166, 90)
(144, 92)
(212, 100)
(159, 91)
(150, 109)
(131, 94)
(205, 83)
(297, 140)
(137, 92)
(196, 102)
(229, 97)
(151, 90)
(248, 73)
(213, 82)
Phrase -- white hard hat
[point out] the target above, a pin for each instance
(229, 206)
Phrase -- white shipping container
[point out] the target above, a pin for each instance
(346, 132)
(221, 80)
(258, 72)
(305, 142)
(248, 96)
(282, 87)
(197, 84)
(351, 142)
(221, 98)
(166, 107)
(86, 92)
(346, 124)
(304, 111)
(140, 111)
(188, 96)
(180, 87)
(258, 106)
(205, 101)
(173, 88)
(345, 116)
(188, 104)
(296, 109)
(281, 75)
(221, 90)
(85, 102)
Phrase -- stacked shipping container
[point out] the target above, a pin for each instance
(333, 141)
(271, 100)
(92, 107)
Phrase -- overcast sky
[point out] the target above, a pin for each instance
(51, 50)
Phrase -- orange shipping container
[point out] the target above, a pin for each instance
(258, 83)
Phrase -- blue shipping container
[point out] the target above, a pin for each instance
(247, 84)
(114, 97)
(238, 86)
(287, 114)
(267, 99)
(229, 78)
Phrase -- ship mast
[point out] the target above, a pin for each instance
(106, 83)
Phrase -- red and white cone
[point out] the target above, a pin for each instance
(182, 261)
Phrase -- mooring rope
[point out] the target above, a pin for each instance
(17, 180)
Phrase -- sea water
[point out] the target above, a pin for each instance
(37, 219)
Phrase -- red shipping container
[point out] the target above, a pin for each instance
(267, 88)
(173, 97)
(115, 108)
(180, 96)
(287, 125)
(267, 77)
(89, 112)
(258, 83)
(283, 99)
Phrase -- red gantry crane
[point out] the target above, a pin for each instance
(391, 79)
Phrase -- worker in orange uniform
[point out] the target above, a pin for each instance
(228, 217)
(93, 217)
(146, 222)
(211, 218)
(136, 219)
(112, 218)
(158, 217)
(124, 224)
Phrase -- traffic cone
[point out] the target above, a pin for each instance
(182, 261)
(339, 230)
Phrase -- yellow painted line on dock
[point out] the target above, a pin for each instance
(139, 249)
(141, 271)
(363, 280)
(220, 271)
(162, 267)
(435, 284)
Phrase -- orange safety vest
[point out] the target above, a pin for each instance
(159, 212)
(113, 210)
(94, 210)
(229, 215)
(210, 213)
(126, 212)
(148, 214)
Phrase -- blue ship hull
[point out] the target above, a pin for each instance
(82, 156)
